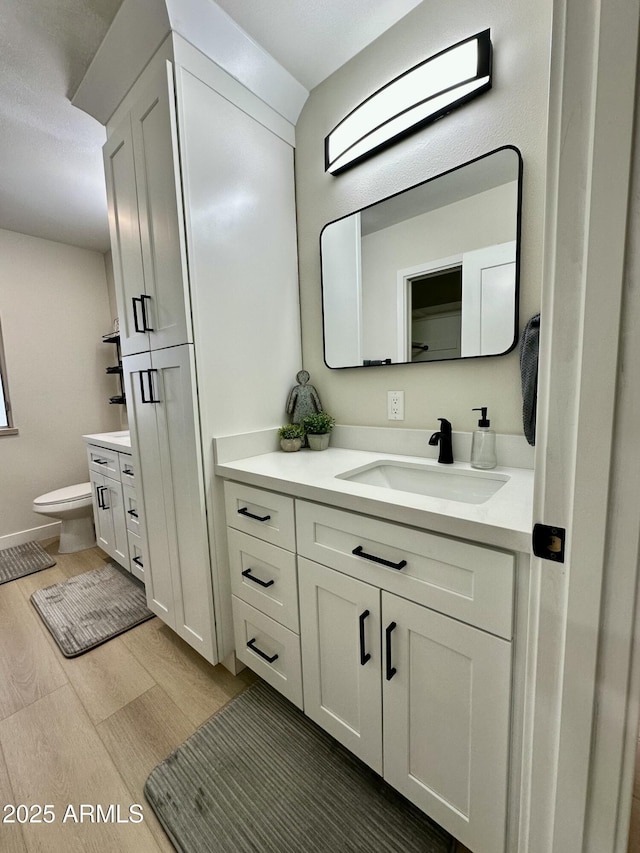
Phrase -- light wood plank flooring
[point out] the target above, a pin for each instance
(89, 730)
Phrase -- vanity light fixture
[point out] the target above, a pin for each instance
(417, 97)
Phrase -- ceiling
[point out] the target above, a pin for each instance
(51, 177)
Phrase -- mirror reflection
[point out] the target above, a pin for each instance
(428, 274)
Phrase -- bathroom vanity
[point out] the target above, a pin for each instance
(117, 515)
(393, 619)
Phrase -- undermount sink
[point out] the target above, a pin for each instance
(468, 486)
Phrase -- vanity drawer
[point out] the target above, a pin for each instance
(264, 576)
(131, 515)
(470, 582)
(263, 514)
(137, 555)
(103, 461)
(269, 649)
(127, 468)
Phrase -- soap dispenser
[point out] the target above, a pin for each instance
(483, 443)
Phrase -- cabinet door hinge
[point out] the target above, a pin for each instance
(548, 542)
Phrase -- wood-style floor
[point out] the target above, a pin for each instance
(89, 730)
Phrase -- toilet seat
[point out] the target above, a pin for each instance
(80, 491)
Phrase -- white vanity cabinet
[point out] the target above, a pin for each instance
(405, 643)
(119, 526)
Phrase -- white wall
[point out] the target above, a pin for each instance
(54, 309)
(513, 112)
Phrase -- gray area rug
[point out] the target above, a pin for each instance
(260, 776)
(23, 560)
(91, 608)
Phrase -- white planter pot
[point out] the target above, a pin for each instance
(290, 444)
(319, 442)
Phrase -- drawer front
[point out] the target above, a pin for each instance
(269, 649)
(103, 461)
(263, 514)
(137, 555)
(264, 576)
(127, 468)
(470, 582)
(131, 508)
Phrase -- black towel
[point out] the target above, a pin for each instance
(529, 376)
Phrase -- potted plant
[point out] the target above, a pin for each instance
(291, 437)
(318, 429)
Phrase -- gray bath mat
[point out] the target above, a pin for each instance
(260, 776)
(23, 560)
(89, 609)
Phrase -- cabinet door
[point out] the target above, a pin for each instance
(446, 701)
(114, 506)
(103, 519)
(160, 213)
(125, 237)
(340, 637)
(146, 452)
(163, 420)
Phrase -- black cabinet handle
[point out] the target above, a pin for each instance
(245, 511)
(260, 653)
(247, 574)
(364, 656)
(100, 461)
(135, 300)
(128, 472)
(99, 496)
(138, 562)
(391, 670)
(102, 504)
(360, 553)
(145, 319)
(143, 395)
(133, 513)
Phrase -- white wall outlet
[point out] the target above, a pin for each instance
(395, 405)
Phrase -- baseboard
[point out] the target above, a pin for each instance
(46, 531)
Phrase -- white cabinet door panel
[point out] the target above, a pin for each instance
(446, 720)
(146, 452)
(160, 213)
(340, 637)
(125, 235)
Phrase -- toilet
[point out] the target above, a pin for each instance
(73, 507)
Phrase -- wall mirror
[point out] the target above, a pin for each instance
(428, 274)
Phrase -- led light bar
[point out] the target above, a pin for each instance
(417, 97)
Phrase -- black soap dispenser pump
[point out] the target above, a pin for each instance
(483, 443)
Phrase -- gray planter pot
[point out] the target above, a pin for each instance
(319, 442)
(290, 444)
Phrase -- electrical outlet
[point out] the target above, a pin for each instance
(395, 405)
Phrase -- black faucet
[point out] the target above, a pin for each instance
(443, 438)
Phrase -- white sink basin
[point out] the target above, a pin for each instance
(452, 484)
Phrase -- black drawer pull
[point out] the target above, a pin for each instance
(128, 472)
(260, 653)
(136, 300)
(245, 511)
(391, 670)
(101, 461)
(364, 656)
(133, 513)
(145, 325)
(138, 561)
(360, 553)
(247, 574)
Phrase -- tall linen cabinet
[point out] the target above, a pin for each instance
(202, 220)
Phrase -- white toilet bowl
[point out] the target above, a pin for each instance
(74, 508)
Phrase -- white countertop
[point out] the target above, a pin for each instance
(504, 520)
(119, 441)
